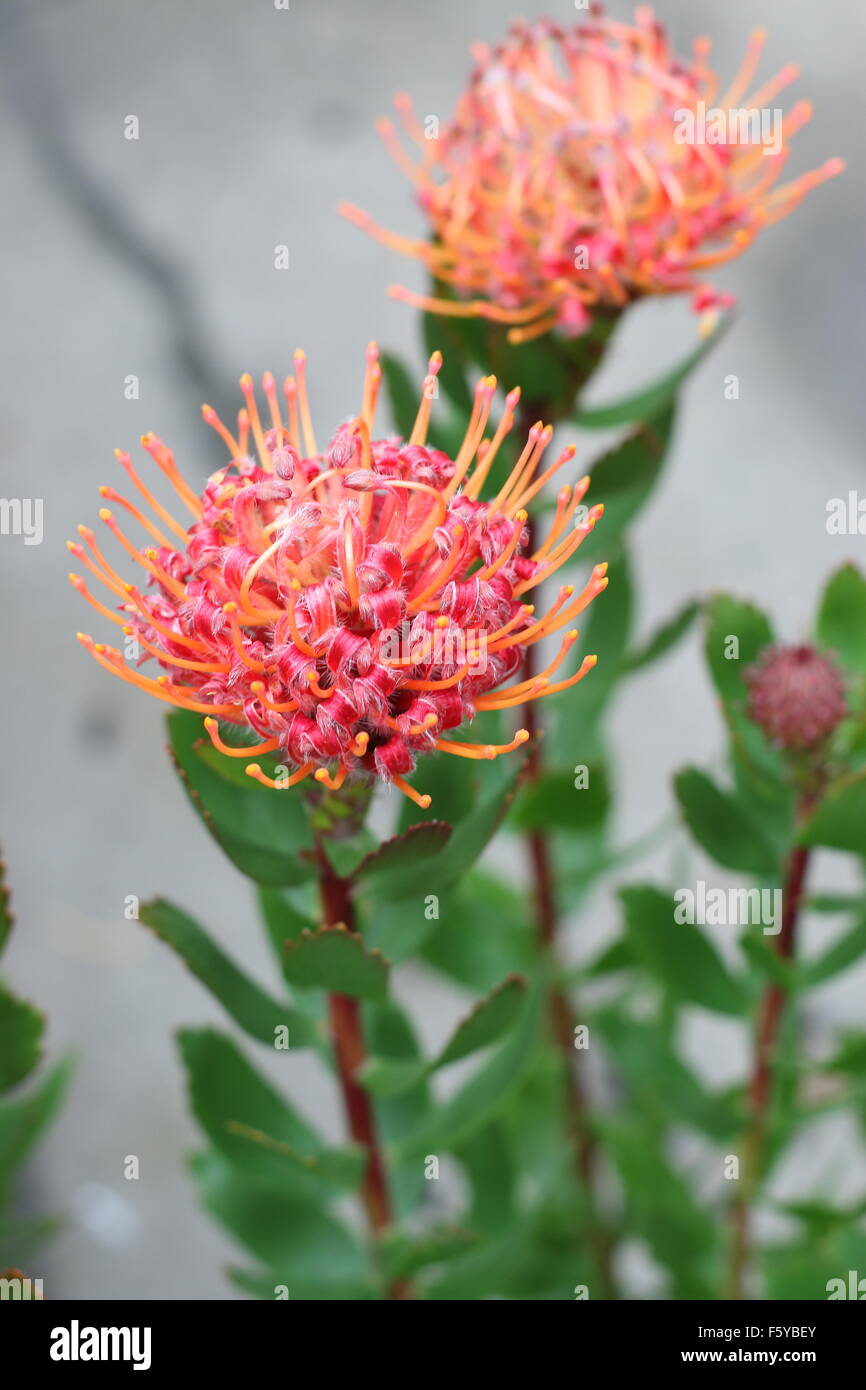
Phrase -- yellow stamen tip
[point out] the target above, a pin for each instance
(521, 736)
(210, 723)
(424, 801)
(252, 769)
(105, 514)
(321, 774)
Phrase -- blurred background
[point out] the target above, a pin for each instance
(154, 257)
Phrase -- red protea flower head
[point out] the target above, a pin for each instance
(353, 606)
(796, 695)
(587, 167)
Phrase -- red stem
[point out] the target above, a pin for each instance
(347, 1038)
(766, 1037)
(559, 1008)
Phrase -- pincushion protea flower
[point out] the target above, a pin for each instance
(796, 695)
(349, 607)
(568, 179)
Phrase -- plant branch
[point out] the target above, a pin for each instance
(347, 1038)
(560, 1009)
(770, 1014)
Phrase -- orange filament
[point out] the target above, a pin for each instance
(249, 394)
(210, 666)
(481, 750)
(164, 459)
(78, 583)
(159, 536)
(332, 783)
(253, 770)
(422, 800)
(437, 685)
(114, 586)
(249, 751)
(483, 466)
(300, 360)
(258, 689)
(446, 569)
(300, 642)
(211, 418)
(231, 611)
(112, 661)
(322, 692)
(126, 464)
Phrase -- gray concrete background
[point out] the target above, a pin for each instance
(155, 257)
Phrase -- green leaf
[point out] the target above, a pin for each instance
(722, 826)
(482, 932)
(335, 959)
(389, 1035)
(307, 1250)
(279, 1162)
(6, 918)
(839, 821)
(472, 1107)
(561, 801)
(283, 920)
(678, 956)
(623, 479)
(269, 1286)
(662, 1085)
(606, 634)
(728, 619)
(662, 1208)
(491, 1018)
(650, 401)
(663, 639)
(404, 393)
(264, 832)
(252, 1009)
(22, 1120)
(454, 789)
(404, 1255)
(844, 952)
(418, 842)
(230, 1099)
(841, 625)
(476, 830)
(21, 1029)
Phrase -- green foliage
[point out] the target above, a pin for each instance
(841, 624)
(722, 825)
(336, 959)
(654, 399)
(265, 833)
(839, 821)
(678, 956)
(24, 1116)
(252, 1009)
(492, 1017)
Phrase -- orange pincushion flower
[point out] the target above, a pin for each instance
(587, 167)
(349, 607)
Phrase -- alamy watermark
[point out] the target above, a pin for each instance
(712, 125)
(729, 907)
(22, 516)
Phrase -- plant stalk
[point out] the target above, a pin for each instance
(560, 1008)
(347, 1038)
(770, 1014)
